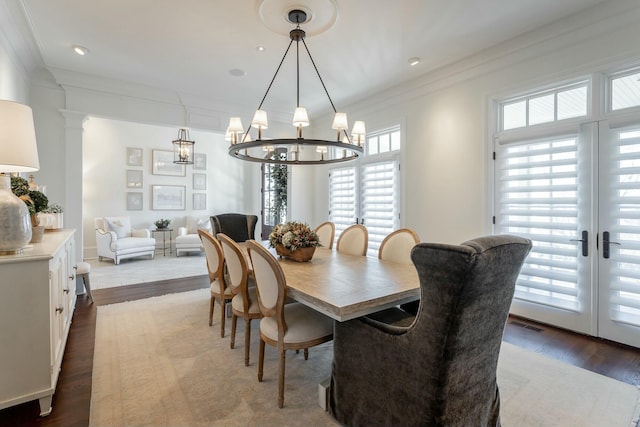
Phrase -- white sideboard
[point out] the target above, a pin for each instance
(37, 299)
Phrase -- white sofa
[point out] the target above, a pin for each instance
(187, 239)
(115, 239)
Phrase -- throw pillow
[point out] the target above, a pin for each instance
(194, 224)
(121, 225)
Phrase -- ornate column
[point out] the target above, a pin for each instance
(74, 121)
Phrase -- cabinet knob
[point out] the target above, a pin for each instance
(65, 290)
(59, 309)
(72, 277)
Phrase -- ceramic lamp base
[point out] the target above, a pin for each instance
(15, 225)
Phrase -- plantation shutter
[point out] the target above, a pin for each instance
(379, 201)
(537, 198)
(623, 207)
(342, 198)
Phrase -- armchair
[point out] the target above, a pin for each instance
(115, 239)
(188, 239)
(440, 370)
(238, 227)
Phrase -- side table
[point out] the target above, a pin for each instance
(164, 232)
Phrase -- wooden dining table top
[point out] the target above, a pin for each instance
(344, 286)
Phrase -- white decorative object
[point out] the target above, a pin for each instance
(51, 221)
(18, 153)
(15, 224)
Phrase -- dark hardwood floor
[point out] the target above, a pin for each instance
(73, 394)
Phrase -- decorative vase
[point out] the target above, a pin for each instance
(15, 225)
(37, 234)
(300, 255)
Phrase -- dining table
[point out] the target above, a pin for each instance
(344, 286)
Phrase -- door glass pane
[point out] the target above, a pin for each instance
(514, 115)
(624, 228)
(342, 198)
(625, 91)
(537, 198)
(378, 202)
(541, 109)
(572, 103)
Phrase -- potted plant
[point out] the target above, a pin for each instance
(36, 201)
(162, 223)
(294, 240)
(52, 216)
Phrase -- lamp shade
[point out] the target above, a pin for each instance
(235, 125)
(340, 121)
(18, 149)
(358, 129)
(300, 117)
(260, 120)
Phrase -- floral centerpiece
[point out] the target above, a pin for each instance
(294, 240)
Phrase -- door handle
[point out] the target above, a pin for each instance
(605, 244)
(585, 242)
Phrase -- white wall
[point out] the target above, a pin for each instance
(104, 175)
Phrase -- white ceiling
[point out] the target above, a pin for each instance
(190, 46)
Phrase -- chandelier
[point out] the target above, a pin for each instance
(288, 150)
(183, 148)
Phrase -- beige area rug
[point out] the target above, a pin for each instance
(158, 363)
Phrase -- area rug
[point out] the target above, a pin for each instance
(158, 363)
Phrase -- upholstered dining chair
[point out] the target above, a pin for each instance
(326, 231)
(353, 240)
(397, 245)
(215, 266)
(291, 326)
(239, 227)
(440, 370)
(244, 303)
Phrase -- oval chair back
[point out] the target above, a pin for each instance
(354, 240)
(397, 246)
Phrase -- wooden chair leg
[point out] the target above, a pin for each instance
(247, 340)
(281, 378)
(306, 354)
(212, 303)
(234, 321)
(260, 359)
(223, 306)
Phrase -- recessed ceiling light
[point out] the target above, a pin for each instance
(414, 61)
(236, 72)
(80, 50)
(260, 48)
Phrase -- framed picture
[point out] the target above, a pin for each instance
(134, 156)
(134, 178)
(199, 181)
(200, 161)
(162, 164)
(199, 201)
(168, 197)
(134, 201)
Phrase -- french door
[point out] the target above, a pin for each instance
(575, 192)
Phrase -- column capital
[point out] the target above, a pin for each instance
(74, 119)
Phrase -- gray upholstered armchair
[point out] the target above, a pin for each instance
(440, 370)
(239, 227)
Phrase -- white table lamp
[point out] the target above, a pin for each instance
(18, 153)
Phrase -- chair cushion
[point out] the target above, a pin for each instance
(188, 239)
(238, 304)
(215, 290)
(303, 323)
(194, 224)
(133, 243)
(121, 225)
